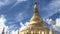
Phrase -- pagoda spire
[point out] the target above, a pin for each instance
(36, 17)
(3, 31)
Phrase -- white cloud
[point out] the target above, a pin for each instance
(55, 24)
(50, 21)
(14, 32)
(23, 25)
(5, 2)
(52, 8)
(20, 29)
(17, 2)
(58, 21)
(26, 23)
(2, 23)
(8, 2)
(21, 16)
(56, 28)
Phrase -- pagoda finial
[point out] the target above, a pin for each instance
(36, 18)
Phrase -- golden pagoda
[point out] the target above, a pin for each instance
(36, 25)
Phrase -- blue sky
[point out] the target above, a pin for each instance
(16, 13)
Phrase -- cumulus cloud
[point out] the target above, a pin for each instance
(26, 23)
(55, 24)
(58, 21)
(2, 23)
(18, 19)
(50, 21)
(23, 25)
(14, 32)
(21, 28)
(52, 8)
